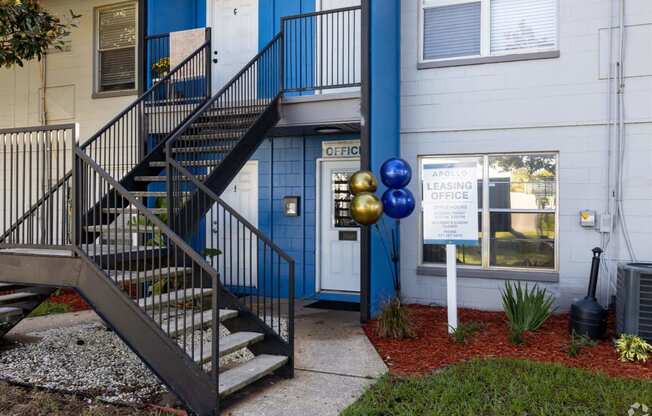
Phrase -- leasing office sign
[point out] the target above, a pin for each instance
(450, 202)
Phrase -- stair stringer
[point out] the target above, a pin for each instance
(162, 355)
(220, 177)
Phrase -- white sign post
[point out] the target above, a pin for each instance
(450, 215)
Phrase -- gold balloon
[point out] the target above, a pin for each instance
(362, 181)
(366, 208)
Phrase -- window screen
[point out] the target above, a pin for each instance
(523, 24)
(116, 34)
(451, 31)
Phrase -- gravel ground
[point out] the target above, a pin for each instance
(88, 359)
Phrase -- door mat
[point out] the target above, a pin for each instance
(335, 305)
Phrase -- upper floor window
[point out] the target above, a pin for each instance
(454, 29)
(115, 49)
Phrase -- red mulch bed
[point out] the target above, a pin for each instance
(70, 298)
(432, 348)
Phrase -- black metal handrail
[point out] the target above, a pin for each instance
(36, 166)
(241, 102)
(322, 50)
(166, 278)
(250, 265)
(157, 48)
(248, 93)
(123, 142)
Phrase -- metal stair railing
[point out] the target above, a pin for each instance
(35, 182)
(250, 266)
(123, 142)
(254, 88)
(183, 308)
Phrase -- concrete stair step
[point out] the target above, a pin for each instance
(114, 230)
(174, 326)
(6, 287)
(8, 313)
(183, 295)
(133, 211)
(163, 178)
(143, 276)
(201, 149)
(228, 344)
(241, 376)
(187, 163)
(210, 134)
(18, 297)
(153, 194)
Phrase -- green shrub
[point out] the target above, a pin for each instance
(395, 321)
(526, 309)
(578, 343)
(463, 332)
(632, 348)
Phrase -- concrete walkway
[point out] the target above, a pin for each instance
(335, 363)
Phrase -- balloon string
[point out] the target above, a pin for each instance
(389, 256)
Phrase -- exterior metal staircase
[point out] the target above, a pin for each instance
(182, 278)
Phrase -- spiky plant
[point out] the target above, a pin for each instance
(526, 309)
(395, 321)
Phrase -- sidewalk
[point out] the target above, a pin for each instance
(335, 363)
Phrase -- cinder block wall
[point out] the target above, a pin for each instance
(540, 105)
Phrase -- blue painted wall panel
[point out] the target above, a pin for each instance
(385, 123)
(172, 15)
(287, 166)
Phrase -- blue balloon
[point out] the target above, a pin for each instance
(395, 173)
(398, 203)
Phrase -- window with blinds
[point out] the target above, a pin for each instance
(523, 24)
(451, 31)
(476, 28)
(116, 48)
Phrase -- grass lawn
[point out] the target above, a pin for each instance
(497, 387)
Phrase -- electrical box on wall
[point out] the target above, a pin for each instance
(587, 218)
(605, 223)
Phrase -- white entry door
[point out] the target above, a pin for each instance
(237, 263)
(339, 235)
(234, 37)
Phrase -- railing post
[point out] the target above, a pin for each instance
(169, 183)
(291, 315)
(209, 66)
(215, 342)
(76, 198)
(282, 58)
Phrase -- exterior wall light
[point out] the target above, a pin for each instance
(291, 207)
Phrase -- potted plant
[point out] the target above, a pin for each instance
(160, 69)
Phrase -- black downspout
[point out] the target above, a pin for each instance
(365, 159)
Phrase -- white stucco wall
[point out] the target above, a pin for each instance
(540, 105)
(69, 81)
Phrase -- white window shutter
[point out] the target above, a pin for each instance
(518, 25)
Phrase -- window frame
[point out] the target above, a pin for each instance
(96, 51)
(485, 267)
(485, 39)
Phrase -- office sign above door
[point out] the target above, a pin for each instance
(450, 201)
(343, 149)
